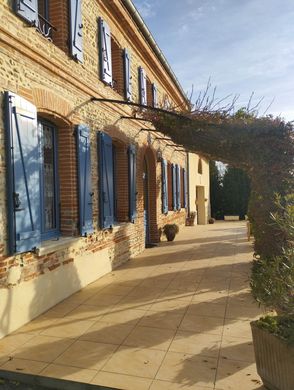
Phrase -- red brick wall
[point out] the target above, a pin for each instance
(67, 166)
(121, 182)
(59, 17)
(117, 67)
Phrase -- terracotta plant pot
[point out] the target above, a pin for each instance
(274, 359)
(170, 230)
(170, 236)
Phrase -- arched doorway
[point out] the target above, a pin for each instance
(146, 203)
(149, 198)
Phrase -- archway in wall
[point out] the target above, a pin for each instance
(149, 197)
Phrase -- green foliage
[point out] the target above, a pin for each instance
(281, 326)
(215, 191)
(171, 228)
(272, 278)
(236, 192)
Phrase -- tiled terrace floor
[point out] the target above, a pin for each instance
(176, 317)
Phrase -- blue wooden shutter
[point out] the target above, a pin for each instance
(84, 180)
(178, 187)
(28, 10)
(76, 30)
(132, 183)
(164, 187)
(105, 52)
(142, 86)
(23, 174)
(154, 96)
(185, 184)
(106, 180)
(174, 186)
(127, 74)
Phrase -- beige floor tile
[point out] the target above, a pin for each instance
(244, 312)
(187, 369)
(132, 302)
(88, 312)
(86, 354)
(164, 385)
(68, 327)
(38, 324)
(232, 375)
(164, 320)
(210, 296)
(24, 366)
(43, 348)
(145, 337)
(196, 343)
(120, 381)
(171, 293)
(169, 304)
(145, 293)
(135, 361)
(237, 349)
(101, 299)
(69, 373)
(202, 324)
(117, 289)
(208, 308)
(110, 333)
(14, 341)
(61, 309)
(237, 328)
(126, 316)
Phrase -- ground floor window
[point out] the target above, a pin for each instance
(49, 180)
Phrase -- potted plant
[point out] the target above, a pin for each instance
(170, 230)
(272, 284)
(190, 220)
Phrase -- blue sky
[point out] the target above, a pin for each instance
(244, 46)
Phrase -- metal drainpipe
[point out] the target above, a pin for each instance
(149, 38)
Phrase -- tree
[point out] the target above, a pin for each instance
(216, 196)
(236, 192)
(261, 146)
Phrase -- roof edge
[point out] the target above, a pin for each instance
(149, 38)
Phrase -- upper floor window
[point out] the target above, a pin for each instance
(142, 86)
(117, 67)
(59, 21)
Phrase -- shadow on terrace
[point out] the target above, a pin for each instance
(177, 314)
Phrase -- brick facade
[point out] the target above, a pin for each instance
(42, 72)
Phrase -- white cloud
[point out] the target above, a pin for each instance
(146, 9)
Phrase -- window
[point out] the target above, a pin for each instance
(105, 52)
(117, 181)
(127, 75)
(54, 19)
(154, 95)
(169, 187)
(164, 188)
(149, 92)
(200, 171)
(142, 86)
(184, 188)
(117, 67)
(48, 179)
(34, 168)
